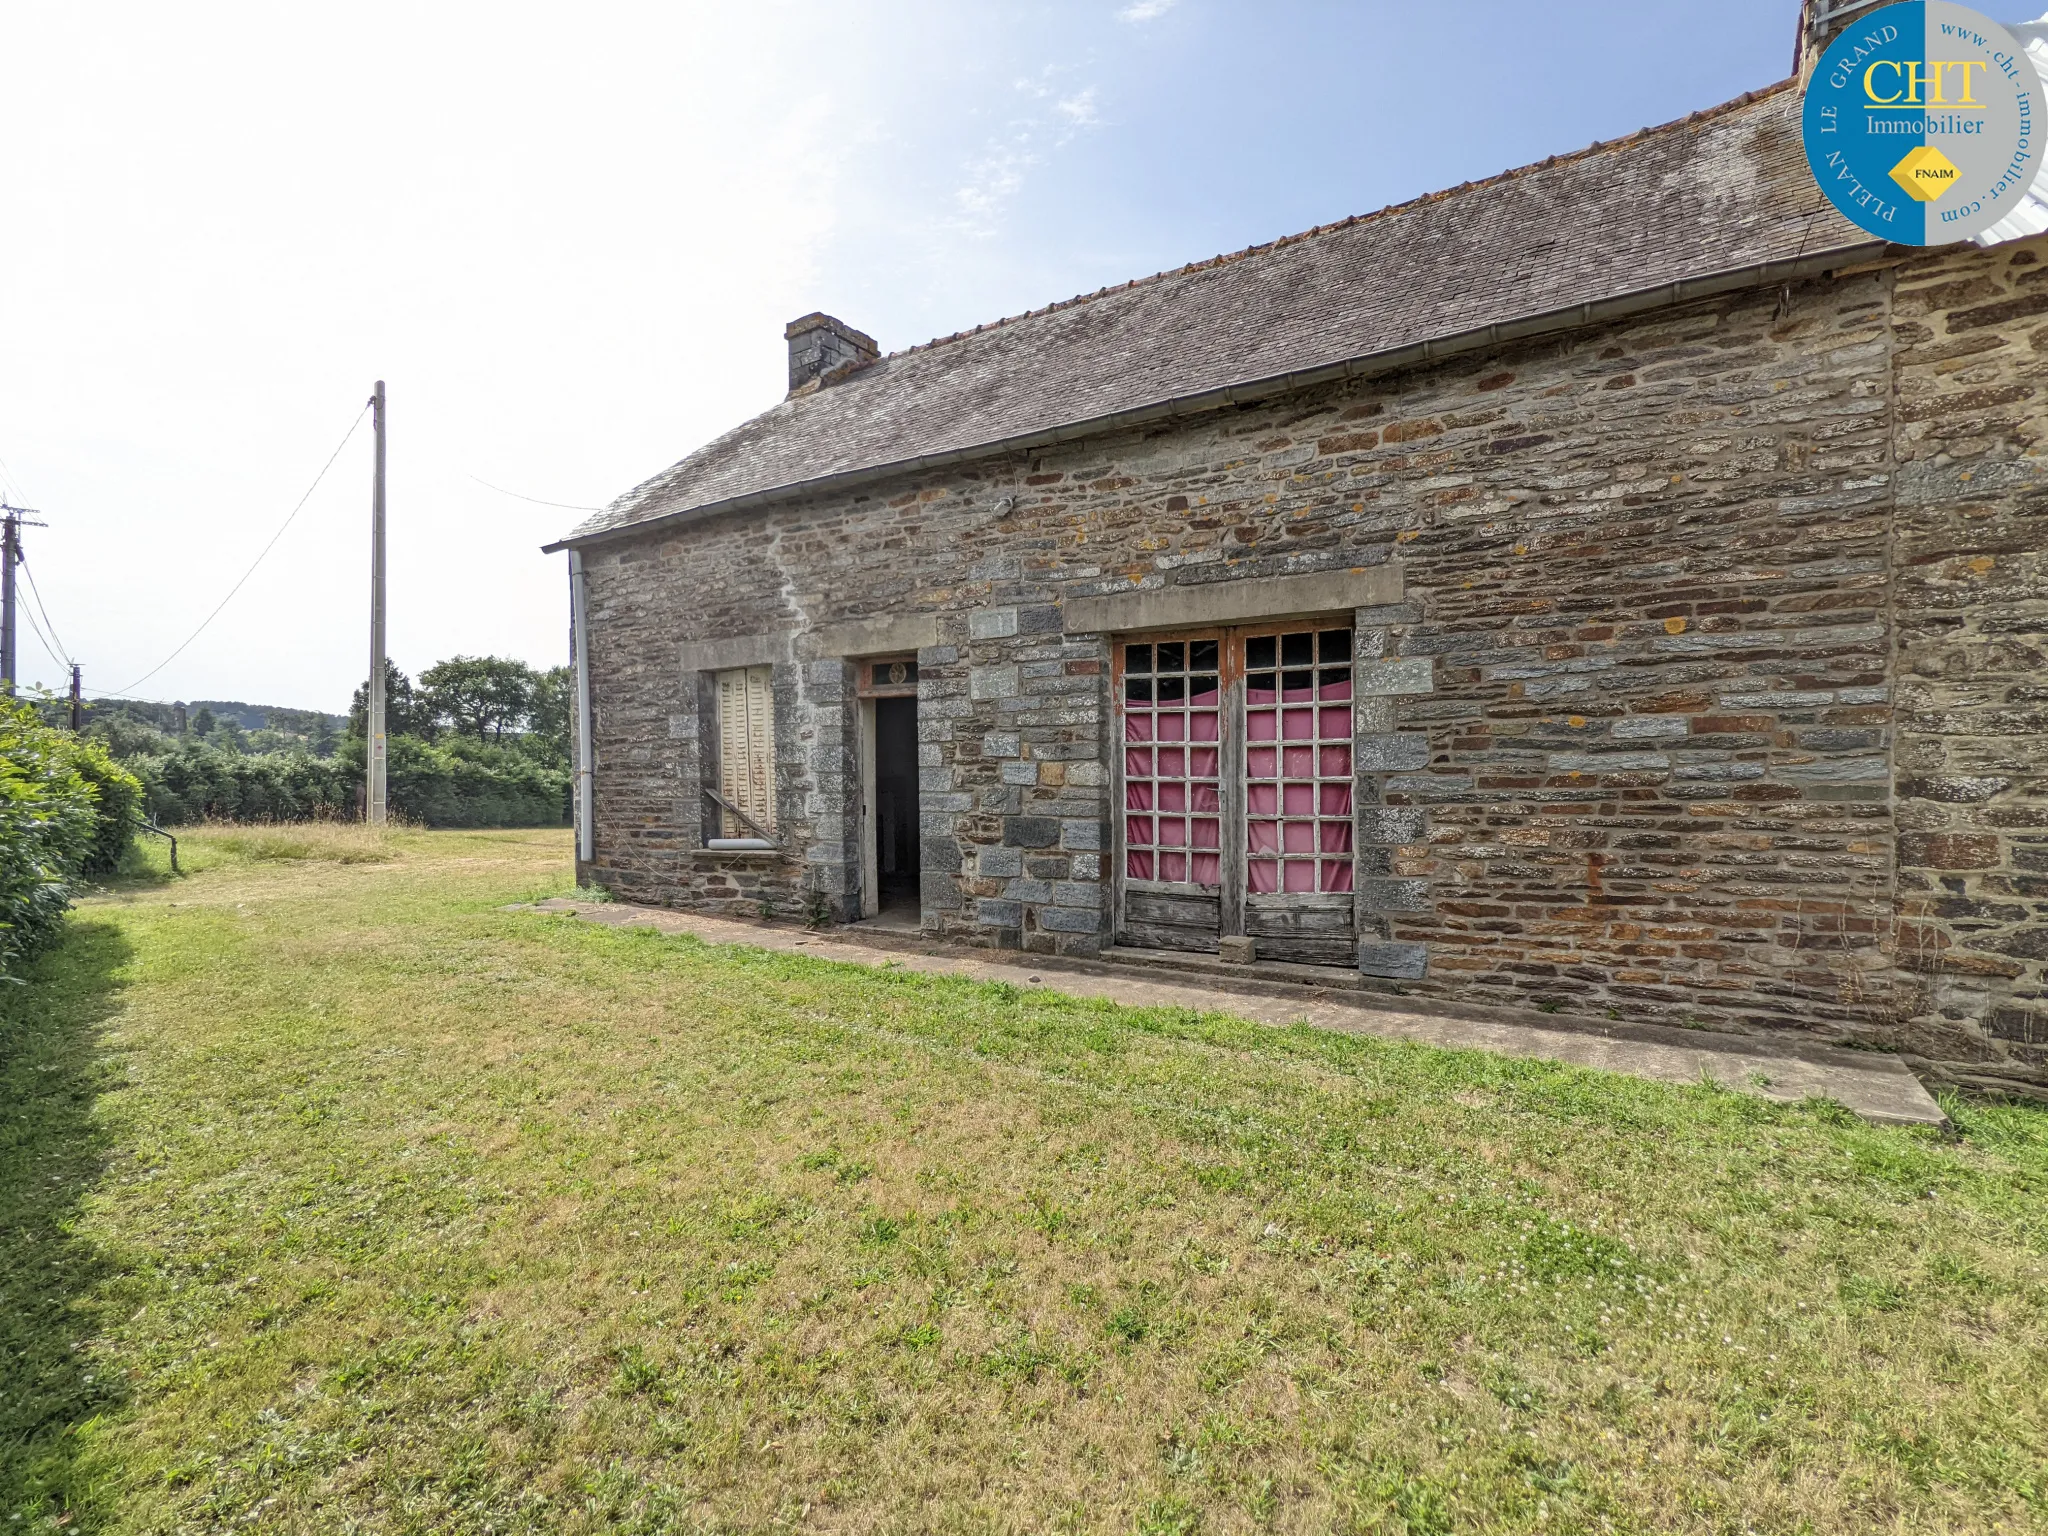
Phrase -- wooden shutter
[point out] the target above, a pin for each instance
(746, 748)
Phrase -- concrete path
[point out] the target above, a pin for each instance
(1877, 1087)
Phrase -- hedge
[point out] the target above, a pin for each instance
(463, 785)
(65, 809)
(468, 785)
(205, 784)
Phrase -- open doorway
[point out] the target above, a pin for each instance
(896, 850)
(890, 862)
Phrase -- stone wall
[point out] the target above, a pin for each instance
(1628, 741)
(1971, 557)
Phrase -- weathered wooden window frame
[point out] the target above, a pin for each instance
(1284, 924)
(886, 677)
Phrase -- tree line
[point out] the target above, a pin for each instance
(475, 741)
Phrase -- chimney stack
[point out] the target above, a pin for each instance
(823, 350)
(1820, 23)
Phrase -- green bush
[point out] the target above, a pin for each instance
(64, 813)
(467, 784)
(203, 783)
(457, 784)
(117, 796)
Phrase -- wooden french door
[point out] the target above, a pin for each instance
(1172, 725)
(1235, 791)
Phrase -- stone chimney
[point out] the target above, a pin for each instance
(1820, 23)
(823, 350)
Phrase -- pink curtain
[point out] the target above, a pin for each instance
(1174, 831)
(1298, 795)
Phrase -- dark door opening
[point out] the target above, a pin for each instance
(896, 826)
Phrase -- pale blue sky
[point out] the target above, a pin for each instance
(569, 238)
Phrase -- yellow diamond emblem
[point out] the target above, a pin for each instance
(1925, 173)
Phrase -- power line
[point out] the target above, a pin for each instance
(66, 659)
(566, 506)
(43, 640)
(152, 672)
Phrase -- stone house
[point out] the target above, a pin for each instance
(1617, 586)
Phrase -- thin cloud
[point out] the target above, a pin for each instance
(1141, 11)
(993, 181)
(1051, 121)
(1079, 109)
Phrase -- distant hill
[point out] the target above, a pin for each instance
(250, 717)
(253, 717)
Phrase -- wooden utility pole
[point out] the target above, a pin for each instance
(376, 809)
(12, 520)
(77, 703)
(11, 539)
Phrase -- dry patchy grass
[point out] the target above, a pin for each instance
(347, 1200)
(335, 842)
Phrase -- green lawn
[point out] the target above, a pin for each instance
(335, 1198)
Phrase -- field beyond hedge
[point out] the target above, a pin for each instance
(335, 1197)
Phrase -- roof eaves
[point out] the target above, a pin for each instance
(1429, 349)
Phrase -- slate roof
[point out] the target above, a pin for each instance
(1719, 192)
